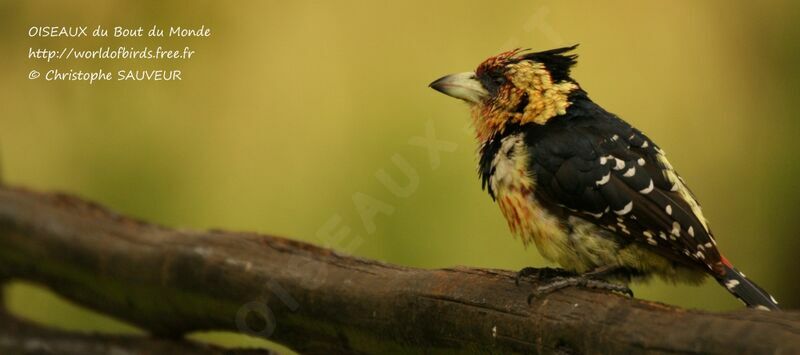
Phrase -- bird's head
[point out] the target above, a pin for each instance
(514, 87)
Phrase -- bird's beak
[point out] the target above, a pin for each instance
(464, 86)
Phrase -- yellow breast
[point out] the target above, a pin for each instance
(514, 187)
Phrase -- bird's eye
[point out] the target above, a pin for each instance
(492, 80)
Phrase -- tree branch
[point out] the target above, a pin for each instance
(18, 337)
(316, 300)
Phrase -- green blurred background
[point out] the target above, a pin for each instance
(291, 107)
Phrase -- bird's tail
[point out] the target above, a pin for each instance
(745, 290)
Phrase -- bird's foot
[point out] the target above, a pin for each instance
(584, 281)
(544, 273)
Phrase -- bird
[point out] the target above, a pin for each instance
(594, 195)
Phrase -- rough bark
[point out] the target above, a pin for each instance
(314, 300)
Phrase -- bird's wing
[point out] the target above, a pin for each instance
(610, 174)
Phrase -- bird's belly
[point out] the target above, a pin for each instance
(576, 249)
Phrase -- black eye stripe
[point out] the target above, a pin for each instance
(490, 84)
(492, 80)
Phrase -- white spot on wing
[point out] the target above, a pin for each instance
(691, 231)
(645, 144)
(669, 210)
(625, 209)
(630, 172)
(640, 161)
(603, 180)
(595, 215)
(647, 189)
(676, 229)
(619, 164)
(730, 284)
(773, 299)
(603, 160)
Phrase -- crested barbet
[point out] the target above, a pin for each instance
(595, 195)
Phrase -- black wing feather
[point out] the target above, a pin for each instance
(601, 169)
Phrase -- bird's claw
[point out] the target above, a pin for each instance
(525, 272)
(547, 273)
(559, 283)
(544, 273)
